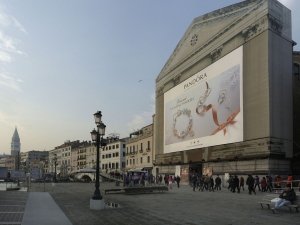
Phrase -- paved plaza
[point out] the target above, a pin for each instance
(177, 206)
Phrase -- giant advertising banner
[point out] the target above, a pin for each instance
(206, 109)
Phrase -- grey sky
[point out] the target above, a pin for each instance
(61, 61)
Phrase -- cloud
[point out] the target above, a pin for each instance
(8, 44)
(18, 25)
(141, 120)
(6, 20)
(5, 57)
(10, 82)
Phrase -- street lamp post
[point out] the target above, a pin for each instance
(97, 137)
(55, 163)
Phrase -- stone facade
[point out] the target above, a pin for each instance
(139, 149)
(263, 28)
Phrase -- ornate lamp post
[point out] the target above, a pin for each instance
(55, 163)
(97, 138)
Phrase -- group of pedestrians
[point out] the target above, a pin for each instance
(264, 185)
(171, 180)
(206, 183)
(235, 184)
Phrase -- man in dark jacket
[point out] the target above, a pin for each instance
(236, 184)
(218, 183)
(286, 198)
(178, 180)
(250, 183)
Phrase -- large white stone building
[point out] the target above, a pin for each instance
(224, 99)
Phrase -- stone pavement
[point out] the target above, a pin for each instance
(12, 206)
(178, 206)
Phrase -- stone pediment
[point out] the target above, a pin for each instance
(210, 31)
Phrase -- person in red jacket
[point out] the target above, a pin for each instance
(263, 184)
(289, 180)
(278, 183)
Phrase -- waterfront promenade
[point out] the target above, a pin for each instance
(177, 206)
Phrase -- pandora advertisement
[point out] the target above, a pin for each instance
(206, 109)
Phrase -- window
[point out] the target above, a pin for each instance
(148, 159)
(117, 145)
(117, 165)
(127, 150)
(133, 161)
(130, 161)
(133, 148)
(109, 148)
(113, 154)
(123, 153)
(141, 159)
(123, 164)
(296, 70)
(117, 154)
(127, 162)
(123, 145)
(103, 156)
(106, 148)
(148, 144)
(130, 149)
(141, 146)
(113, 147)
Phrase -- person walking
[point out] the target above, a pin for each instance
(211, 188)
(170, 181)
(263, 184)
(268, 180)
(289, 180)
(256, 182)
(278, 183)
(194, 180)
(201, 183)
(242, 183)
(230, 183)
(218, 183)
(236, 184)
(166, 177)
(206, 182)
(178, 181)
(250, 183)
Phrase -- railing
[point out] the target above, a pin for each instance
(294, 183)
(148, 149)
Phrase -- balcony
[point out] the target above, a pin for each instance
(148, 149)
(141, 151)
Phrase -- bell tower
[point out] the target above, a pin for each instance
(15, 143)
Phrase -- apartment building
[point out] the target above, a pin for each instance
(139, 149)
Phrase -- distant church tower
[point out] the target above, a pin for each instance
(15, 143)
